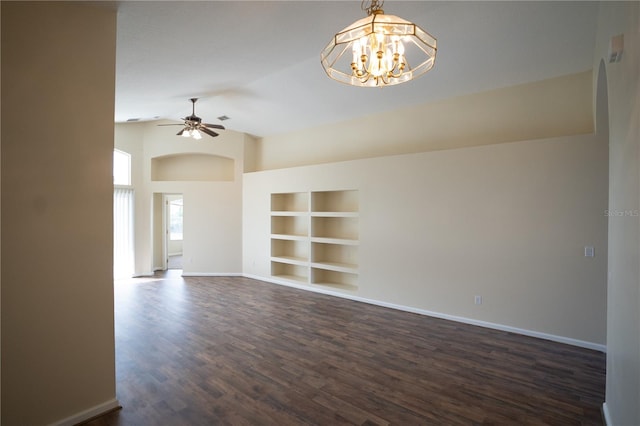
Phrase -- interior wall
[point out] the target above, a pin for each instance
(213, 218)
(555, 107)
(192, 167)
(508, 222)
(250, 154)
(623, 313)
(175, 247)
(58, 63)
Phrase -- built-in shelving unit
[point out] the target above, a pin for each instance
(315, 237)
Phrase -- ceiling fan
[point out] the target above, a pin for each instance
(193, 125)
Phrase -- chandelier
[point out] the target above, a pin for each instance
(375, 51)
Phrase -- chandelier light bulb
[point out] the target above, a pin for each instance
(356, 52)
(196, 134)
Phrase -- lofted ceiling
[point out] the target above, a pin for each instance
(259, 62)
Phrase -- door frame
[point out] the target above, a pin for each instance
(166, 198)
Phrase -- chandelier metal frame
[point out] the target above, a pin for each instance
(378, 45)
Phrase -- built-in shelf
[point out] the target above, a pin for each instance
(336, 266)
(335, 257)
(286, 213)
(291, 260)
(290, 202)
(315, 238)
(290, 272)
(290, 227)
(335, 279)
(337, 241)
(335, 201)
(342, 228)
(289, 237)
(290, 251)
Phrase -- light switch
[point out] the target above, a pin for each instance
(588, 251)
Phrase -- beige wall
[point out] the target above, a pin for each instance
(508, 222)
(556, 107)
(58, 77)
(192, 167)
(623, 319)
(213, 209)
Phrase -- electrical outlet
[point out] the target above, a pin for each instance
(478, 300)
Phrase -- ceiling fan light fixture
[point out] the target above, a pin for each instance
(378, 50)
(194, 127)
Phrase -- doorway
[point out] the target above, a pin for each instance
(174, 222)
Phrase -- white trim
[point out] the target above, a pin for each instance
(261, 278)
(143, 274)
(501, 327)
(88, 413)
(606, 415)
(211, 274)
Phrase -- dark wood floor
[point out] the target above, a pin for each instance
(205, 351)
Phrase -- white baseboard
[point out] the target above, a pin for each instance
(501, 327)
(88, 413)
(211, 274)
(606, 415)
(143, 275)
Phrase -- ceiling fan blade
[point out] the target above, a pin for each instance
(176, 124)
(213, 126)
(180, 132)
(207, 131)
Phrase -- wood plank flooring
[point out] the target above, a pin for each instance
(208, 351)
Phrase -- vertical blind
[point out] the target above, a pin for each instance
(123, 263)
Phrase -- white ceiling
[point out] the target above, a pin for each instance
(259, 62)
